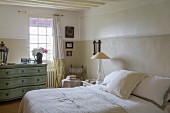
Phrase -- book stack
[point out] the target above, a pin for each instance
(71, 77)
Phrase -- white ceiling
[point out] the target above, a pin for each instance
(58, 4)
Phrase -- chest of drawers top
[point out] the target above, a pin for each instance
(16, 70)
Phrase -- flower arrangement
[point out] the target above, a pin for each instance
(40, 50)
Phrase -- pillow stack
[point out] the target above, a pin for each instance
(123, 83)
(154, 89)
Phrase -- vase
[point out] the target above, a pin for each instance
(39, 58)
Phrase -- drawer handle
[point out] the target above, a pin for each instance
(7, 94)
(38, 70)
(7, 83)
(6, 72)
(22, 81)
(38, 79)
(22, 71)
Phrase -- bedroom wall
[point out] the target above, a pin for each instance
(134, 33)
(149, 54)
(126, 18)
(17, 49)
(14, 29)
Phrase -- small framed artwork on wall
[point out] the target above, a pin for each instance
(69, 53)
(69, 32)
(69, 45)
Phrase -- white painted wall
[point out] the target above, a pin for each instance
(126, 18)
(14, 25)
(14, 29)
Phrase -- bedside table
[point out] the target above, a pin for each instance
(70, 83)
(87, 83)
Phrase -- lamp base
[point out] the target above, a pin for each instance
(98, 81)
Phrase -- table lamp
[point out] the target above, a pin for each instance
(99, 56)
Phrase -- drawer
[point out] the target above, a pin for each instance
(40, 79)
(10, 94)
(32, 71)
(34, 80)
(8, 73)
(10, 83)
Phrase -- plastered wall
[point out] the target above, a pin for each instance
(150, 54)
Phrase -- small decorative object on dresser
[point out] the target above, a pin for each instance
(16, 80)
(38, 52)
(3, 53)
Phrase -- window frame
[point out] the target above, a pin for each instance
(38, 35)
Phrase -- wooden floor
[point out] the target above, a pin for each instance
(10, 106)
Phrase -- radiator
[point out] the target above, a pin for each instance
(51, 78)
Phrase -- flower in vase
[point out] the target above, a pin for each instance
(39, 50)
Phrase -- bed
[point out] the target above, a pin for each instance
(91, 99)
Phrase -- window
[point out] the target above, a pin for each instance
(40, 35)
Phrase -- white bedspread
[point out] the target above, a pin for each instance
(82, 100)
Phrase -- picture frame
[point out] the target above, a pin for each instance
(69, 32)
(69, 53)
(69, 45)
(96, 46)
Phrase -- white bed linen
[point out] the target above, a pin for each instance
(132, 105)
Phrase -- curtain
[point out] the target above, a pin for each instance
(58, 51)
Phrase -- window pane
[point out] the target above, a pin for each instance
(49, 31)
(49, 39)
(32, 46)
(50, 55)
(42, 39)
(31, 56)
(33, 30)
(42, 31)
(33, 21)
(42, 45)
(49, 47)
(44, 57)
(33, 39)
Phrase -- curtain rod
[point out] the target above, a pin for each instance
(38, 13)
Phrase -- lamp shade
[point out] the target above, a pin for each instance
(100, 55)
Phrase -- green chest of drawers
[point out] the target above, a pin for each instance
(16, 80)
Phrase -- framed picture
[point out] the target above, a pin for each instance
(69, 53)
(97, 46)
(69, 45)
(69, 32)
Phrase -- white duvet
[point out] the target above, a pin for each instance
(93, 99)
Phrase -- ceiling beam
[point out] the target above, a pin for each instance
(47, 5)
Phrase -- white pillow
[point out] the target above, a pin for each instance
(109, 77)
(123, 82)
(153, 88)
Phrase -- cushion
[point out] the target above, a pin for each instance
(155, 89)
(109, 77)
(123, 82)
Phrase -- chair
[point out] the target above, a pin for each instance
(78, 71)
